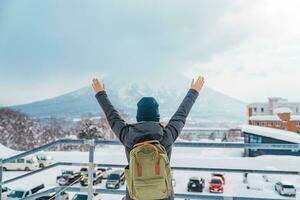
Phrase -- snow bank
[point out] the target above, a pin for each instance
(5, 151)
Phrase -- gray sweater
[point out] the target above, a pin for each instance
(130, 134)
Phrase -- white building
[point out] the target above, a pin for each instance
(268, 108)
(276, 113)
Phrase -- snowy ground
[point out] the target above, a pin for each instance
(226, 158)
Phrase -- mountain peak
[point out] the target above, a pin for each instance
(211, 105)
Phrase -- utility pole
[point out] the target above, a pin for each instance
(91, 168)
(1, 171)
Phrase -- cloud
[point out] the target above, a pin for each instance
(267, 62)
(247, 49)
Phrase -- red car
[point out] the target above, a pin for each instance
(219, 175)
(216, 185)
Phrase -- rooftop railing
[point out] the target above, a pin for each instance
(91, 165)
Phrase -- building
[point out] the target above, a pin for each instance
(224, 134)
(258, 135)
(276, 113)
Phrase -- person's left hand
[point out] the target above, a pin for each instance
(97, 85)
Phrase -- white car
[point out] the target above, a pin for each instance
(5, 192)
(21, 164)
(285, 189)
(255, 182)
(44, 160)
(22, 193)
(85, 197)
(105, 172)
(52, 196)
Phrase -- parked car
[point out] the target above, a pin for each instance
(44, 160)
(285, 189)
(68, 177)
(84, 171)
(5, 192)
(255, 182)
(25, 164)
(115, 179)
(22, 193)
(173, 179)
(97, 178)
(62, 196)
(196, 184)
(222, 176)
(85, 197)
(216, 185)
(105, 171)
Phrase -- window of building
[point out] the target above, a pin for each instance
(254, 139)
(255, 109)
(298, 123)
(259, 123)
(262, 109)
(277, 124)
(265, 123)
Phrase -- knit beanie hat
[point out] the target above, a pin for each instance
(147, 110)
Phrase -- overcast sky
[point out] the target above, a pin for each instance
(249, 50)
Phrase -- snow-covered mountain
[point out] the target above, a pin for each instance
(212, 106)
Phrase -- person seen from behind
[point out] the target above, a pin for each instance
(148, 144)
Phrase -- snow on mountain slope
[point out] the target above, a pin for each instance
(210, 106)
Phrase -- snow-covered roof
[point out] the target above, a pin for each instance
(295, 118)
(272, 118)
(287, 136)
(284, 182)
(265, 118)
(282, 110)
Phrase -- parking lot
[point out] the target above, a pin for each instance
(234, 185)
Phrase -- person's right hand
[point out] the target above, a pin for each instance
(198, 83)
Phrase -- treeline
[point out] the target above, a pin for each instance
(20, 132)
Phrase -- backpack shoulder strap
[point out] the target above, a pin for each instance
(146, 142)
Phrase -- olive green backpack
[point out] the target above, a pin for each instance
(148, 175)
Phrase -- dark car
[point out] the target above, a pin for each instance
(115, 179)
(196, 184)
(80, 197)
(68, 177)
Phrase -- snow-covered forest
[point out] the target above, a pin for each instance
(20, 132)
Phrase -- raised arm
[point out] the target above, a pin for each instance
(177, 122)
(116, 122)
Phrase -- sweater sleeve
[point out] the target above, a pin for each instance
(177, 122)
(116, 122)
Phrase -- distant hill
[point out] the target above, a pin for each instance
(212, 106)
